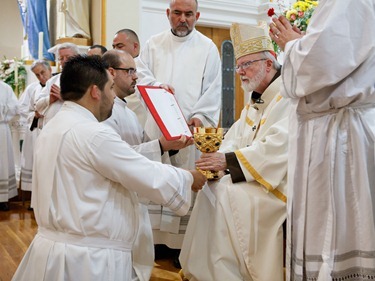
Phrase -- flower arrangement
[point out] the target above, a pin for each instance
(298, 14)
(14, 74)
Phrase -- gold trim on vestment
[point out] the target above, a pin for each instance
(258, 177)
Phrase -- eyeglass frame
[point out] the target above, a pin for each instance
(131, 71)
(247, 64)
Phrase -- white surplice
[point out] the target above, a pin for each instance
(27, 113)
(86, 206)
(124, 121)
(192, 66)
(329, 76)
(8, 110)
(235, 230)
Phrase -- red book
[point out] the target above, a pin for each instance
(167, 113)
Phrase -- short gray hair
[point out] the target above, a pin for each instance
(70, 46)
(276, 64)
(43, 63)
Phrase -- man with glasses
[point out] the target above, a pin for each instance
(49, 101)
(188, 61)
(125, 123)
(236, 228)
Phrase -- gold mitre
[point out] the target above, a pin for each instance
(250, 39)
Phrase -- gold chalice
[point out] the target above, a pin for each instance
(208, 140)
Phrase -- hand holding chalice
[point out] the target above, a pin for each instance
(208, 140)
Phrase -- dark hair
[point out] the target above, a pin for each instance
(79, 73)
(131, 34)
(102, 48)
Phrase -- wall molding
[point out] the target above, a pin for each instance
(220, 13)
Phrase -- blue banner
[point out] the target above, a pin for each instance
(37, 22)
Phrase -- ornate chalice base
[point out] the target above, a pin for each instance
(208, 140)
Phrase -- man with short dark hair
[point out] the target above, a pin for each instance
(87, 206)
(97, 50)
(127, 40)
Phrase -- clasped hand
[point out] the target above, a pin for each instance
(214, 161)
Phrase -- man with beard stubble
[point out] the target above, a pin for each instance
(188, 63)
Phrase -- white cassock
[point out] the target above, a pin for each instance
(235, 230)
(329, 77)
(192, 66)
(8, 110)
(87, 206)
(42, 101)
(27, 113)
(125, 123)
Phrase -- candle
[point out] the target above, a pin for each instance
(40, 46)
(15, 72)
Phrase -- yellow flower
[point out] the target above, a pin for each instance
(290, 13)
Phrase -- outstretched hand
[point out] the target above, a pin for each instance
(199, 180)
(178, 144)
(281, 31)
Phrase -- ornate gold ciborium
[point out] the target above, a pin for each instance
(208, 140)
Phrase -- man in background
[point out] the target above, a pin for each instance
(98, 50)
(188, 63)
(125, 123)
(43, 72)
(49, 101)
(8, 109)
(127, 40)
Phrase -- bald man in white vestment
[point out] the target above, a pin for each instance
(329, 78)
(235, 231)
(188, 61)
(124, 121)
(87, 206)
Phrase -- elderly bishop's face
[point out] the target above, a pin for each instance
(252, 71)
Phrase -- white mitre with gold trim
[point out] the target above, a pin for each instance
(249, 39)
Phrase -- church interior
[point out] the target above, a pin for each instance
(98, 22)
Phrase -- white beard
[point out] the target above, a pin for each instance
(254, 82)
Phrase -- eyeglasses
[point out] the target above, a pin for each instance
(247, 64)
(131, 71)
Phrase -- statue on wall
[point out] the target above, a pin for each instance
(73, 20)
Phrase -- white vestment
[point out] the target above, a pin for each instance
(87, 206)
(125, 123)
(329, 76)
(235, 230)
(27, 112)
(192, 66)
(42, 101)
(8, 110)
